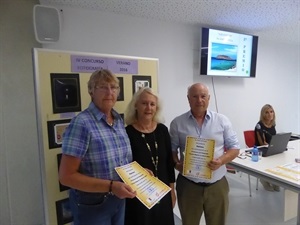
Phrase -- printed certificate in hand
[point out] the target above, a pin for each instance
(198, 152)
(149, 188)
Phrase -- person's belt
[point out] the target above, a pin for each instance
(202, 184)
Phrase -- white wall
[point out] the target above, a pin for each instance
(21, 199)
(177, 48)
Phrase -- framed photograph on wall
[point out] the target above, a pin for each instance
(65, 89)
(139, 82)
(121, 94)
(63, 212)
(61, 187)
(56, 128)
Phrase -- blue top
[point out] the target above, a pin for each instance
(215, 126)
(100, 147)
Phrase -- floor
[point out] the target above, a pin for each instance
(263, 208)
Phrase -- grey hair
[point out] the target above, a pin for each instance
(131, 114)
(201, 84)
(99, 76)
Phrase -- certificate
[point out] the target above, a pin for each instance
(289, 170)
(198, 152)
(149, 188)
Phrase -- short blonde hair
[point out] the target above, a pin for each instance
(131, 113)
(102, 75)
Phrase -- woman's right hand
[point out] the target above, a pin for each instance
(149, 171)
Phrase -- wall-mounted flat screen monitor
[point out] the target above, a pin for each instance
(228, 54)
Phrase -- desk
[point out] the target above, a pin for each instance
(258, 169)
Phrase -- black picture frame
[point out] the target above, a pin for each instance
(121, 94)
(55, 132)
(139, 82)
(65, 90)
(61, 187)
(63, 212)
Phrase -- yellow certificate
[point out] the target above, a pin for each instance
(149, 188)
(198, 152)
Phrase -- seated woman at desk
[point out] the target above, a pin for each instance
(264, 130)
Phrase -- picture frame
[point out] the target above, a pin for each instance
(56, 128)
(65, 90)
(63, 212)
(121, 93)
(61, 187)
(140, 82)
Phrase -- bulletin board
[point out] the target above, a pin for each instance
(61, 92)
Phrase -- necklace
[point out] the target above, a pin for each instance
(110, 120)
(154, 160)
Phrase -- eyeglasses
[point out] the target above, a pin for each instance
(244, 155)
(103, 88)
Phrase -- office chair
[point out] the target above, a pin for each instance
(230, 169)
(249, 137)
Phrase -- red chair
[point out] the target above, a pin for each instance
(249, 136)
(230, 169)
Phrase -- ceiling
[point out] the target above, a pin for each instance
(277, 20)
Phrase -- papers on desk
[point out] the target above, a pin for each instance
(289, 170)
(149, 189)
(198, 152)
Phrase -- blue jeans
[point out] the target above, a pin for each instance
(96, 208)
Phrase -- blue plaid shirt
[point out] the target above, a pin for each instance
(100, 147)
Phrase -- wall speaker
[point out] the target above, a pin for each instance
(46, 22)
